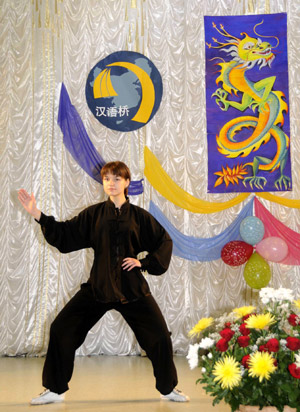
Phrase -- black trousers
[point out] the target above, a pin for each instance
(69, 329)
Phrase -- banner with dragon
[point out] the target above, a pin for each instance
(247, 103)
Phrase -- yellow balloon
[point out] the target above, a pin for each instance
(257, 272)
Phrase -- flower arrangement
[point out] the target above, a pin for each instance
(251, 356)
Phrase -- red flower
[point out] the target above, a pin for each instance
(243, 341)
(227, 334)
(244, 330)
(227, 324)
(263, 348)
(293, 343)
(247, 316)
(294, 371)
(293, 319)
(272, 345)
(245, 361)
(222, 345)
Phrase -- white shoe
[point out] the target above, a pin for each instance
(176, 396)
(47, 397)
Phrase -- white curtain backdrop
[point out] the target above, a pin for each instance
(45, 42)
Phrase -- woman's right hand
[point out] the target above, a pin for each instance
(29, 203)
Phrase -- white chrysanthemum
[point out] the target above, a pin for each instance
(277, 299)
(284, 325)
(297, 361)
(227, 317)
(206, 343)
(266, 295)
(214, 336)
(283, 294)
(192, 355)
(260, 340)
(235, 327)
(282, 343)
(254, 348)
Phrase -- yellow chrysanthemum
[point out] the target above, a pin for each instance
(200, 326)
(297, 303)
(227, 372)
(260, 321)
(261, 365)
(244, 311)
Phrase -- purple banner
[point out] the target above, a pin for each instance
(247, 103)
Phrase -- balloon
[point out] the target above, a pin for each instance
(252, 230)
(273, 248)
(257, 272)
(236, 253)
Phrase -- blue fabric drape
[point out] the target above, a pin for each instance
(78, 143)
(201, 249)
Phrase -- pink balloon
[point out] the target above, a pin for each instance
(272, 248)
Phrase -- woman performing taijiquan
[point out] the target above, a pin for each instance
(117, 231)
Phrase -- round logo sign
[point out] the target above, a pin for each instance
(124, 91)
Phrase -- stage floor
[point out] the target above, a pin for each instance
(106, 383)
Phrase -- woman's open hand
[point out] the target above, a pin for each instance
(29, 203)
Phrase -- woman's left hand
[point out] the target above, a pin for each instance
(130, 263)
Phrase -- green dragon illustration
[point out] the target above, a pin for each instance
(248, 52)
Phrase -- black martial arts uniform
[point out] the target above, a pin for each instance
(114, 234)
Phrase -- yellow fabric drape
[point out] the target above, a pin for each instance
(162, 182)
(292, 203)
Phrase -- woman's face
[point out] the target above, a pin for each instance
(114, 186)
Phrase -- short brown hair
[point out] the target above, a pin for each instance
(118, 169)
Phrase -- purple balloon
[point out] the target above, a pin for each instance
(273, 249)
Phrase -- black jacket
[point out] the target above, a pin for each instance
(114, 234)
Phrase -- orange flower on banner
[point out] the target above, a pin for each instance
(229, 175)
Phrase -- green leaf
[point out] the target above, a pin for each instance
(293, 396)
(286, 387)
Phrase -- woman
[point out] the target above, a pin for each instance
(117, 231)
